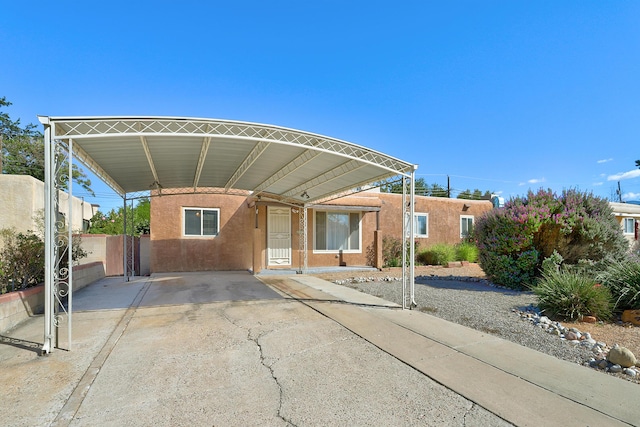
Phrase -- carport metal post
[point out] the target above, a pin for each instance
(49, 235)
(56, 276)
(408, 239)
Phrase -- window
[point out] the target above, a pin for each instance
(421, 225)
(201, 222)
(337, 231)
(629, 226)
(466, 225)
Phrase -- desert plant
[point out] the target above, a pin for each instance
(514, 272)
(552, 262)
(578, 226)
(391, 251)
(623, 280)
(438, 254)
(466, 251)
(571, 296)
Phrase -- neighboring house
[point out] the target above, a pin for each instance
(22, 203)
(628, 215)
(194, 232)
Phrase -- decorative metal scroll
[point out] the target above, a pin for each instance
(58, 242)
(408, 242)
(302, 234)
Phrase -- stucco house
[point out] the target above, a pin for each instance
(192, 232)
(628, 215)
(22, 200)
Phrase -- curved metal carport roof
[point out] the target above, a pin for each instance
(136, 155)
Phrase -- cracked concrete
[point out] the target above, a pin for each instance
(272, 362)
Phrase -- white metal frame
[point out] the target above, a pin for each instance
(61, 133)
(58, 240)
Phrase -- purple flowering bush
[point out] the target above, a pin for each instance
(513, 241)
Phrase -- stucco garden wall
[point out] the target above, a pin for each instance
(22, 199)
(18, 306)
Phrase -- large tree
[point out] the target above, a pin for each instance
(22, 151)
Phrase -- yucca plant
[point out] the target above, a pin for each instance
(623, 280)
(569, 295)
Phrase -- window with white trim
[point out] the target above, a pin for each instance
(337, 231)
(629, 226)
(466, 225)
(200, 222)
(421, 225)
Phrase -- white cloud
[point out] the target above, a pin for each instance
(595, 184)
(536, 180)
(604, 160)
(624, 175)
(631, 196)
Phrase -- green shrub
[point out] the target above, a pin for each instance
(438, 254)
(623, 280)
(391, 251)
(552, 263)
(22, 260)
(512, 272)
(466, 251)
(577, 226)
(569, 295)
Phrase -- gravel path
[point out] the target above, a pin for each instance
(478, 306)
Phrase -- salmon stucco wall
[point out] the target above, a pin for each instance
(242, 242)
(231, 249)
(443, 216)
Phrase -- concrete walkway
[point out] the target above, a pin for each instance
(223, 349)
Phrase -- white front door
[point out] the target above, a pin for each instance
(279, 236)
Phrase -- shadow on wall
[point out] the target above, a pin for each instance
(231, 249)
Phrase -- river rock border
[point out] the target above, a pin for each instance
(574, 337)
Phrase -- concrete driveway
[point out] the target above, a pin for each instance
(224, 349)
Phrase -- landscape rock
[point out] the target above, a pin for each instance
(589, 319)
(631, 372)
(615, 369)
(631, 316)
(622, 356)
(571, 336)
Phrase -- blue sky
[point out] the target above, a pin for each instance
(499, 95)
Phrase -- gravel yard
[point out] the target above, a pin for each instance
(472, 302)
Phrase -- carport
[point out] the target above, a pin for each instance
(152, 156)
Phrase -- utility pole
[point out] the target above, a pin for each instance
(448, 187)
(619, 193)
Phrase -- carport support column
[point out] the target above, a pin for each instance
(50, 211)
(124, 240)
(408, 239)
(58, 264)
(303, 239)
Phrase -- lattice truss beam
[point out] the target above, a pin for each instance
(262, 136)
(79, 128)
